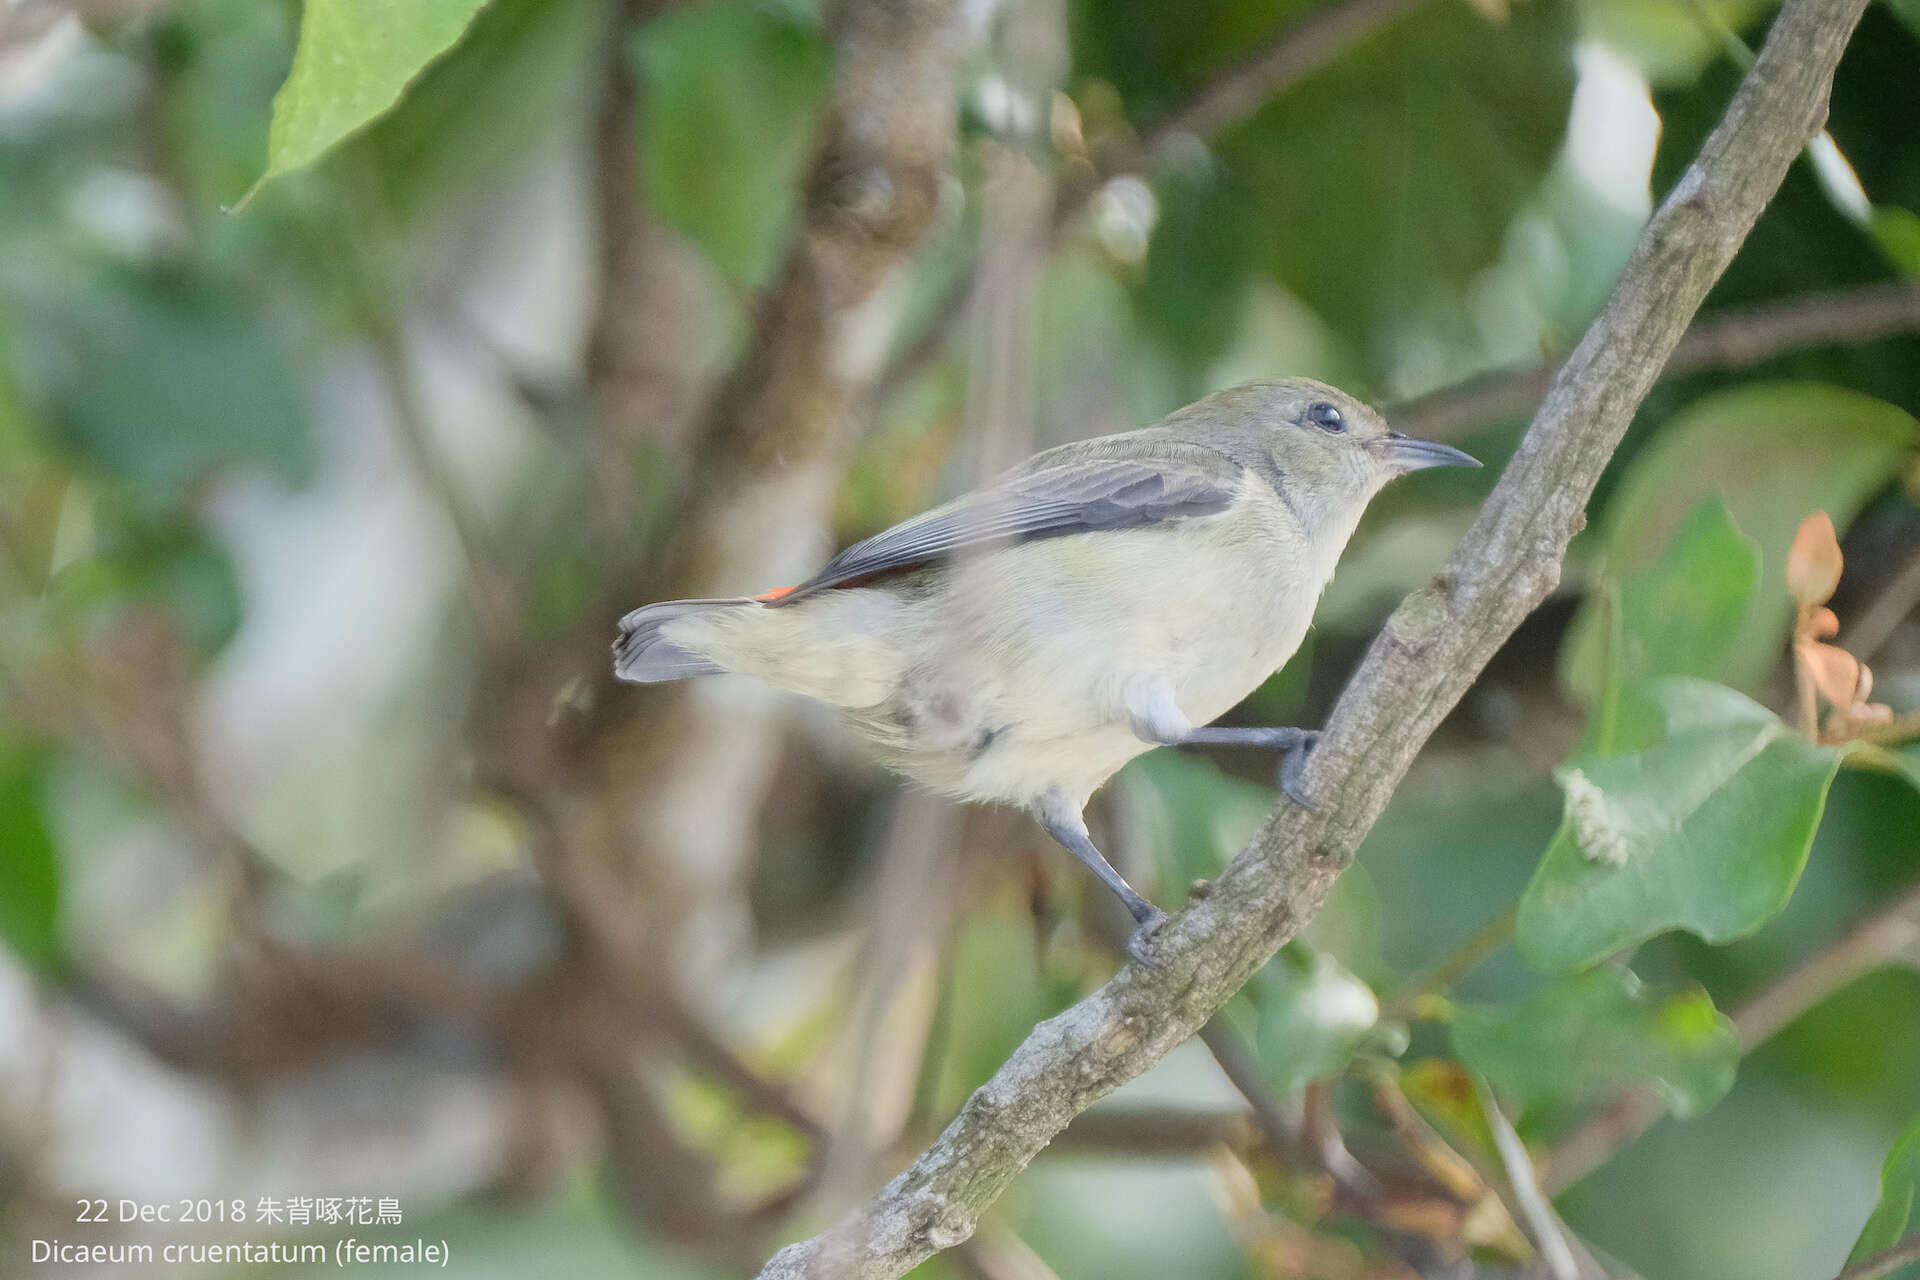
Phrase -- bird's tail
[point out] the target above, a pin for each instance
(644, 654)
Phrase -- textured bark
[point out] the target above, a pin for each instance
(1427, 655)
(769, 447)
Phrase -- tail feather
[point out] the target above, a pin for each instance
(644, 655)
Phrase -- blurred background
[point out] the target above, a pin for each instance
(334, 864)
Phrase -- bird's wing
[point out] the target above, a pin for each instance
(1063, 491)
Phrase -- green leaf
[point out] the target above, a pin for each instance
(354, 60)
(1681, 615)
(1772, 452)
(732, 91)
(158, 376)
(29, 868)
(1314, 1012)
(473, 115)
(1894, 1217)
(1576, 1037)
(1706, 829)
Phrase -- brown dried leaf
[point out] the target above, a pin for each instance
(1813, 561)
(1833, 671)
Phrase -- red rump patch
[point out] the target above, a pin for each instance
(776, 594)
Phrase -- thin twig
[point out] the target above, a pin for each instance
(1891, 1258)
(1876, 940)
(1242, 90)
(1453, 966)
(1898, 598)
(1156, 1131)
(1542, 1223)
(1733, 339)
(1425, 659)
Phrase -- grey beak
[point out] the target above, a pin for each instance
(1417, 455)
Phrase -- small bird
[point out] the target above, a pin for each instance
(1018, 645)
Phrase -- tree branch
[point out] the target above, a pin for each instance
(1422, 663)
(1734, 339)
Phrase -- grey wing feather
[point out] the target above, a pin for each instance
(1063, 491)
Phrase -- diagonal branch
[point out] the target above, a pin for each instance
(1888, 1260)
(1423, 662)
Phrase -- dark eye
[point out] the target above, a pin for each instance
(1326, 417)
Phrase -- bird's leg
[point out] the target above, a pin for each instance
(1064, 823)
(1293, 744)
(1157, 718)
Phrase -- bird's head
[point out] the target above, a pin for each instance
(1327, 450)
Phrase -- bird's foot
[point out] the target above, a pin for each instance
(1293, 768)
(1148, 924)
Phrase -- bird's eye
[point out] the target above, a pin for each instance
(1326, 417)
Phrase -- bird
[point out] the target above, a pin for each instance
(1021, 643)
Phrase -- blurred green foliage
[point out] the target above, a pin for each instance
(1404, 217)
(732, 91)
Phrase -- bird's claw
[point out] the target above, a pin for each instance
(1293, 768)
(1142, 936)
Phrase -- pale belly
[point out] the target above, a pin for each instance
(1031, 691)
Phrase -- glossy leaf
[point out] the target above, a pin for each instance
(1771, 452)
(1574, 1038)
(354, 60)
(1706, 829)
(476, 113)
(1314, 1013)
(1897, 1213)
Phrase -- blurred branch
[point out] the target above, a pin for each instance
(1898, 598)
(1245, 88)
(1889, 1259)
(1156, 1131)
(489, 585)
(1455, 965)
(769, 445)
(1295, 52)
(1284, 1129)
(1733, 339)
(1542, 1223)
(1426, 657)
(1878, 939)
(998, 1254)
